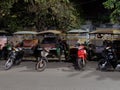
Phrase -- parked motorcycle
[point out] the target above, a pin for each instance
(14, 57)
(41, 64)
(82, 55)
(109, 61)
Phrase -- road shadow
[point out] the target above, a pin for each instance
(91, 71)
(2, 62)
(100, 75)
(65, 66)
(28, 65)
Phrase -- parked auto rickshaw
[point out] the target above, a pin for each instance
(3, 38)
(104, 37)
(27, 40)
(51, 39)
(4, 43)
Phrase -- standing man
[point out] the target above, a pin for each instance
(65, 49)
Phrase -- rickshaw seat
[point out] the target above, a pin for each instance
(30, 43)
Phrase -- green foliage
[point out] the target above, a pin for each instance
(114, 6)
(58, 14)
(44, 14)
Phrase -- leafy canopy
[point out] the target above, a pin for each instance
(114, 6)
(43, 14)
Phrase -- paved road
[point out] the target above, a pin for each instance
(57, 76)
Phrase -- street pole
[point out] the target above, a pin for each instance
(88, 36)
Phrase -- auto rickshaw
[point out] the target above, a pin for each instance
(51, 39)
(28, 41)
(103, 37)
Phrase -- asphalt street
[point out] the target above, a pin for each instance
(57, 76)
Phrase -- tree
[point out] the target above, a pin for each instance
(114, 6)
(44, 14)
(8, 20)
